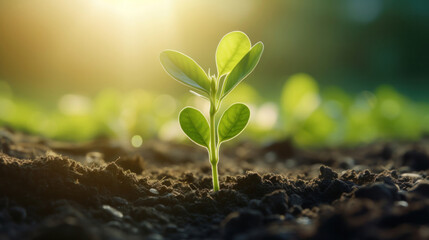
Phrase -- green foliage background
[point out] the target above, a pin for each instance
(333, 72)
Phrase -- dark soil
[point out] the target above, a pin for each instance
(100, 190)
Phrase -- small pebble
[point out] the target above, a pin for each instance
(120, 201)
(401, 203)
(113, 211)
(412, 175)
(154, 191)
(303, 220)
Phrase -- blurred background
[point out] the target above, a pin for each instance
(333, 72)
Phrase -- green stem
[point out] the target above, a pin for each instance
(213, 149)
(215, 178)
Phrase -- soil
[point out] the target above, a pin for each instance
(101, 190)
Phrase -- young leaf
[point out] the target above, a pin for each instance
(231, 49)
(243, 68)
(195, 126)
(233, 121)
(185, 70)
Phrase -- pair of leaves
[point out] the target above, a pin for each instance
(232, 123)
(234, 58)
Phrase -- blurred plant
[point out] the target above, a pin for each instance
(330, 116)
(235, 60)
(299, 99)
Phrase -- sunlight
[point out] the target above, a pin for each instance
(128, 9)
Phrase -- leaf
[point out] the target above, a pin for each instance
(185, 70)
(195, 126)
(231, 49)
(233, 121)
(243, 68)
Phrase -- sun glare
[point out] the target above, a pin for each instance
(129, 9)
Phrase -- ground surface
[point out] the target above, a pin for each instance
(100, 190)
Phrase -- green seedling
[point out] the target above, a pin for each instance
(235, 60)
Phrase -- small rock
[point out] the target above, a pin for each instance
(18, 214)
(412, 175)
(378, 192)
(326, 173)
(240, 222)
(276, 202)
(416, 160)
(119, 201)
(154, 191)
(401, 203)
(113, 211)
(422, 188)
(303, 220)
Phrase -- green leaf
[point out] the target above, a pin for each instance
(243, 68)
(231, 49)
(185, 70)
(195, 126)
(233, 121)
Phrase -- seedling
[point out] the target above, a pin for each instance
(235, 60)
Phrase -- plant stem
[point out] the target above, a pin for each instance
(215, 178)
(213, 149)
